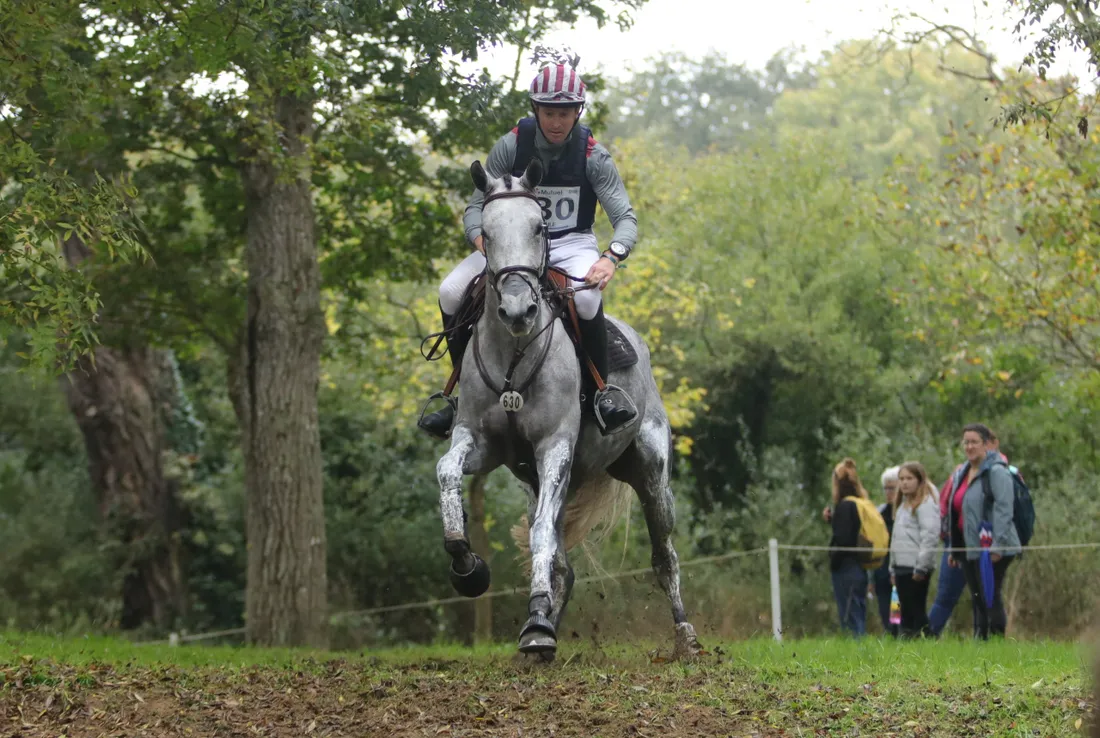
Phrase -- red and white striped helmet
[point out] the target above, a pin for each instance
(557, 85)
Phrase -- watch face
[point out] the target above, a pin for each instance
(618, 249)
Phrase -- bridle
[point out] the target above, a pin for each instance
(495, 278)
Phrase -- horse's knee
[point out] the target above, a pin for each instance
(588, 304)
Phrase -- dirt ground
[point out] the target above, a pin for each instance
(438, 699)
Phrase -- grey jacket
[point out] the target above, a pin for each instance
(1005, 539)
(914, 543)
(601, 172)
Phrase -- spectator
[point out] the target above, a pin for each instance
(952, 579)
(849, 576)
(880, 578)
(967, 510)
(913, 546)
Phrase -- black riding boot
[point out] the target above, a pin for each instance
(439, 423)
(594, 342)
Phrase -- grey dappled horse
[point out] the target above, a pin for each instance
(542, 436)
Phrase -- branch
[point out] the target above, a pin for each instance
(967, 75)
(225, 162)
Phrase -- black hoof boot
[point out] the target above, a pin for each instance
(473, 583)
(438, 424)
(538, 635)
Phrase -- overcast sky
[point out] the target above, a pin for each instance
(751, 31)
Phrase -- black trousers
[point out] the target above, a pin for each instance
(991, 620)
(913, 597)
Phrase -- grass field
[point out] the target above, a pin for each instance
(103, 687)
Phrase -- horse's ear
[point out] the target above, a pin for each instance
(533, 174)
(477, 172)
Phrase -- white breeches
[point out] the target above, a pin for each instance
(575, 253)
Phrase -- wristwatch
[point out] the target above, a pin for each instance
(619, 251)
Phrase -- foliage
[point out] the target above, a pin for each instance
(42, 201)
(1076, 27)
(55, 566)
(884, 102)
(1033, 273)
(700, 103)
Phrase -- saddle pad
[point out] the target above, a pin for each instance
(620, 354)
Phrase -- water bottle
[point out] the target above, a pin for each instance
(895, 607)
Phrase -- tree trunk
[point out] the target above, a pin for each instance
(115, 396)
(274, 384)
(115, 406)
(479, 540)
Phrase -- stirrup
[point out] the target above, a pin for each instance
(599, 395)
(437, 396)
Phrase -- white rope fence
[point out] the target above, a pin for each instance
(772, 549)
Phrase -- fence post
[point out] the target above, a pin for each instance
(777, 617)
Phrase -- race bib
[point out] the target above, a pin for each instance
(559, 206)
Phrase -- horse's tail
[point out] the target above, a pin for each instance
(603, 500)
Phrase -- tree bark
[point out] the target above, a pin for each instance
(479, 540)
(274, 382)
(115, 396)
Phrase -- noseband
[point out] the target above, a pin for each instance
(495, 278)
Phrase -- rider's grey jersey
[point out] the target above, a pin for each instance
(599, 168)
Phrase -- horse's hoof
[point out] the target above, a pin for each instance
(687, 644)
(538, 636)
(538, 642)
(474, 582)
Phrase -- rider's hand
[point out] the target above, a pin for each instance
(601, 272)
(479, 244)
(827, 514)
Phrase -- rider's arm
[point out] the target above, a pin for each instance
(497, 164)
(612, 195)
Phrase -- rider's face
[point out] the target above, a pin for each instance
(556, 123)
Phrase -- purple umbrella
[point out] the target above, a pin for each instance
(985, 562)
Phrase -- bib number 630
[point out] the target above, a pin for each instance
(511, 402)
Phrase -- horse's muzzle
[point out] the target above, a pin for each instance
(518, 314)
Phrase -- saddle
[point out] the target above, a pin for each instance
(620, 353)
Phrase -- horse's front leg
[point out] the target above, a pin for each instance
(555, 458)
(469, 572)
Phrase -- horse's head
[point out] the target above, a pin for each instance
(512, 229)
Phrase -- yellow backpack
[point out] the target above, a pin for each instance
(872, 534)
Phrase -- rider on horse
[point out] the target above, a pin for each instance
(579, 173)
